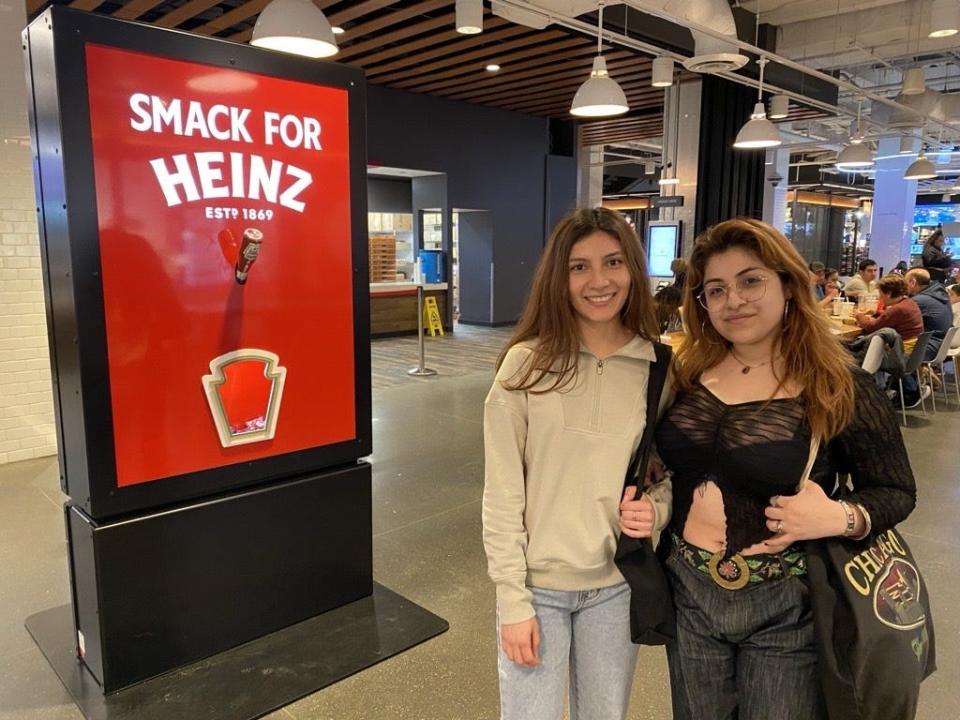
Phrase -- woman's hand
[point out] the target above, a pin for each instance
(636, 516)
(808, 515)
(521, 642)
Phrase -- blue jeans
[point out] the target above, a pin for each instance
(586, 635)
(744, 654)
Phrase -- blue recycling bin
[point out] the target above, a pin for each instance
(431, 265)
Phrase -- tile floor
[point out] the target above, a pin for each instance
(428, 475)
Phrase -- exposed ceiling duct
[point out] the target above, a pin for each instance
(711, 54)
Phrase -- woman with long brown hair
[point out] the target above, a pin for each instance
(561, 423)
(759, 376)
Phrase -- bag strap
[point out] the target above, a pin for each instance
(814, 448)
(655, 385)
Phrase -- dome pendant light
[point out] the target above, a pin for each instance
(920, 169)
(758, 132)
(600, 95)
(294, 26)
(856, 155)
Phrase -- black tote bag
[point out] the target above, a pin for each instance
(873, 625)
(652, 617)
(871, 616)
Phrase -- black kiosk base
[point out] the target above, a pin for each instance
(281, 575)
(254, 679)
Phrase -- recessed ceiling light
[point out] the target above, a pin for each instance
(337, 30)
(492, 67)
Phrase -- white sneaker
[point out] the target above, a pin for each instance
(925, 393)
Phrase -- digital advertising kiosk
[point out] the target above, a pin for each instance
(202, 214)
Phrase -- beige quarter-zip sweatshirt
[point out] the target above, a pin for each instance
(554, 475)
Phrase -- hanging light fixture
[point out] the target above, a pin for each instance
(914, 82)
(944, 18)
(667, 177)
(779, 107)
(854, 157)
(294, 26)
(920, 169)
(649, 167)
(600, 95)
(662, 72)
(758, 132)
(469, 14)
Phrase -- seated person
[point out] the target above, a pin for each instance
(667, 302)
(863, 282)
(899, 312)
(817, 272)
(831, 287)
(955, 303)
(934, 303)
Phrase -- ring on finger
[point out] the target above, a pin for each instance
(779, 527)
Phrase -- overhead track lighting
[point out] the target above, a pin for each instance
(662, 72)
(600, 95)
(914, 82)
(294, 26)
(944, 18)
(758, 132)
(920, 169)
(779, 107)
(469, 14)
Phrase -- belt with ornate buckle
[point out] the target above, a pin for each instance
(738, 571)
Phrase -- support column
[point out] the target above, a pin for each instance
(590, 176)
(894, 200)
(776, 171)
(681, 146)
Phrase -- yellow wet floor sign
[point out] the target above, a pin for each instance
(431, 316)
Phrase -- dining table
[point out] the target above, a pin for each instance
(840, 329)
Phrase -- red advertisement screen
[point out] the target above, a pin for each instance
(224, 216)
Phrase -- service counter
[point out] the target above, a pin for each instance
(393, 307)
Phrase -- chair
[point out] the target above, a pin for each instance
(913, 368)
(952, 353)
(937, 362)
(874, 355)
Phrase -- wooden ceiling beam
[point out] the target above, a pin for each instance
(445, 71)
(361, 30)
(356, 51)
(359, 10)
(525, 72)
(88, 5)
(184, 12)
(446, 43)
(577, 71)
(466, 60)
(567, 84)
(635, 98)
(135, 8)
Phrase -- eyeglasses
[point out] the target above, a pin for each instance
(750, 288)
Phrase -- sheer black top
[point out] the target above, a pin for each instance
(755, 450)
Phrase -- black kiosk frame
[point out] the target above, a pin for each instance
(167, 573)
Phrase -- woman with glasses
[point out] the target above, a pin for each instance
(561, 423)
(758, 375)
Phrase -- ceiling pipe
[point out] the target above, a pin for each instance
(654, 50)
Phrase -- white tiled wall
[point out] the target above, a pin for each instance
(26, 400)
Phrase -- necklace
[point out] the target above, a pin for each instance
(747, 368)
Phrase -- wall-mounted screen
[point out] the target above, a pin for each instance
(662, 242)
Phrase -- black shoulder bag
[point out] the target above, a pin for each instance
(874, 631)
(652, 618)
